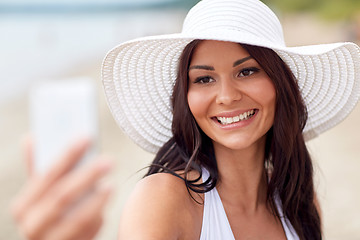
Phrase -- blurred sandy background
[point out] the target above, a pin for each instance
(41, 46)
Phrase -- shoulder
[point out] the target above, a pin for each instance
(161, 183)
(160, 207)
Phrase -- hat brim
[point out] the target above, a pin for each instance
(139, 75)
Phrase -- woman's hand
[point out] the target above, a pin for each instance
(49, 207)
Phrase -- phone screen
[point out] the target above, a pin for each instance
(60, 112)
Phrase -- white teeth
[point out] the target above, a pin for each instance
(243, 116)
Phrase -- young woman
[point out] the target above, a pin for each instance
(238, 100)
(226, 107)
(233, 135)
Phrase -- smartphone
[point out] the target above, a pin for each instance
(62, 111)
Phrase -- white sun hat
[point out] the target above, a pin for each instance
(139, 75)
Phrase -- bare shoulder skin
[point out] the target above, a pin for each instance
(160, 207)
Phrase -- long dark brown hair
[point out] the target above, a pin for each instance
(285, 151)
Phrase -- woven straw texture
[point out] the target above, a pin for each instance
(138, 76)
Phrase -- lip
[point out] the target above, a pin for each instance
(236, 125)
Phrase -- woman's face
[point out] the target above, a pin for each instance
(230, 95)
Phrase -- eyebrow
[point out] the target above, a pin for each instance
(204, 67)
(210, 68)
(240, 61)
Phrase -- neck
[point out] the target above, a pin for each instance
(242, 178)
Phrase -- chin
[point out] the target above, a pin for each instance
(240, 143)
(234, 145)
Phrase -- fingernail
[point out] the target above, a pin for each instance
(84, 142)
(106, 186)
(105, 165)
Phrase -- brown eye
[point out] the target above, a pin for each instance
(204, 80)
(248, 72)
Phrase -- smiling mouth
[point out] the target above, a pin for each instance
(242, 117)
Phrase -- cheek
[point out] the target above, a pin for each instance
(266, 96)
(269, 100)
(269, 96)
(194, 103)
(197, 103)
(266, 90)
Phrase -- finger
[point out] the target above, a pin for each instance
(38, 185)
(92, 230)
(68, 160)
(76, 224)
(76, 184)
(64, 194)
(27, 146)
(87, 232)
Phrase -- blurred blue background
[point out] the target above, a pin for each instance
(46, 39)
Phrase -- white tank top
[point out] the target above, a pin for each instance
(216, 226)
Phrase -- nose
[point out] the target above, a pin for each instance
(228, 92)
